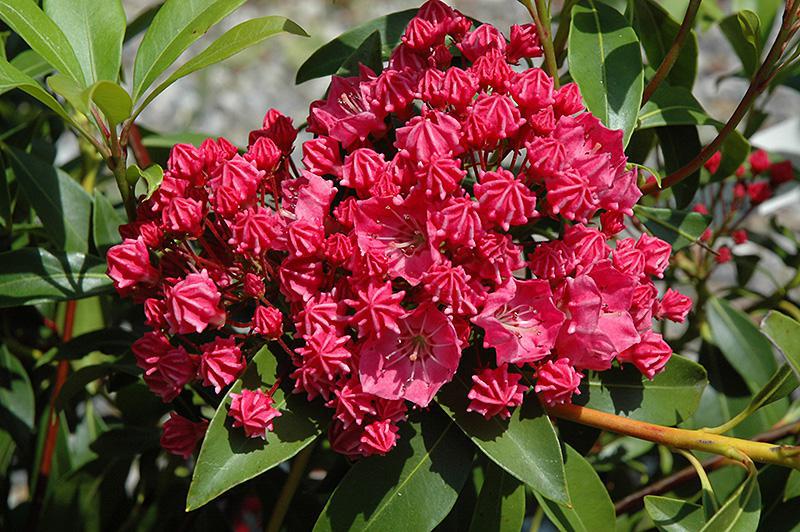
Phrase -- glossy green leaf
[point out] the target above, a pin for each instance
(112, 100)
(501, 503)
(174, 28)
(42, 35)
(368, 54)
(412, 487)
(525, 445)
(591, 507)
(792, 486)
(61, 204)
(13, 78)
(34, 275)
(766, 10)
(741, 511)
(743, 31)
(17, 402)
(70, 90)
(230, 43)
(679, 145)
(671, 106)
(670, 398)
(105, 223)
(152, 175)
(785, 334)
(31, 64)
(780, 385)
(606, 62)
(657, 31)
(748, 351)
(111, 341)
(94, 29)
(674, 515)
(77, 381)
(228, 458)
(327, 59)
(679, 228)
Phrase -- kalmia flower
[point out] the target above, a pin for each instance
(494, 391)
(179, 435)
(220, 363)
(253, 411)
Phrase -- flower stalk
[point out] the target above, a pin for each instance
(686, 439)
(541, 17)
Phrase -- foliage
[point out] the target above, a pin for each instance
(79, 430)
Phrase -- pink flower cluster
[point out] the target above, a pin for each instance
(445, 203)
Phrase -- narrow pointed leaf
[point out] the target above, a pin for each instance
(368, 54)
(525, 445)
(591, 507)
(174, 28)
(741, 511)
(42, 35)
(501, 503)
(230, 43)
(606, 62)
(792, 489)
(657, 31)
(17, 404)
(13, 78)
(327, 59)
(743, 31)
(670, 398)
(413, 486)
(34, 275)
(785, 334)
(105, 223)
(742, 343)
(228, 458)
(62, 205)
(94, 29)
(31, 64)
(782, 383)
(674, 515)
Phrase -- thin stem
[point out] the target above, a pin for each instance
(562, 33)
(697, 440)
(140, 152)
(759, 83)
(667, 484)
(674, 51)
(541, 17)
(705, 484)
(52, 422)
(289, 488)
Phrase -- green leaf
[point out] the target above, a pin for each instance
(591, 507)
(745, 267)
(742, 30)
(606, 62)
(17, 402)
(792, 486)
(78, 380)
(785, 334)
(68, 88)
(13, 78)
(679, 145)
(674, 515)
(232, 42)
(679, 228)
(61, 204)
(327, 59)
(175, 27)
(657, 31)
(780, 385)
(368, 54)
(670, 398)
(42, 35)
(413, 486)
(525, 445)
(111, 99)
(110, 341)
(765, 9)
(743, 345)
(34, 275)
(105, 223)
(95, 30)
(735, 150)
(501, 503)
(152, 175)
(671, 106)
(741, 511)
(228, 458)
(31, 64)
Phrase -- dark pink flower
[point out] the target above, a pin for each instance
(723, 255)
(351, 403)
(322, 156)
(557, 381)
(649, 356)
(414, 363)
(129, 266)
(712, 165)
(494, 391)
(253, 410)
(253, 285)
(183, 215)
(781, 172)
(377, 309)
(477, 43)
(186, 162)
(673, 306)
(264, 154)
(524, 43)
(379, 437)
(193, 305)
(520, 321)
(739, 236)
(179, 436)
(504, 199)
(759, 162)
(656, 253)
(427, 137)
(220, 363)
(759, 192)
